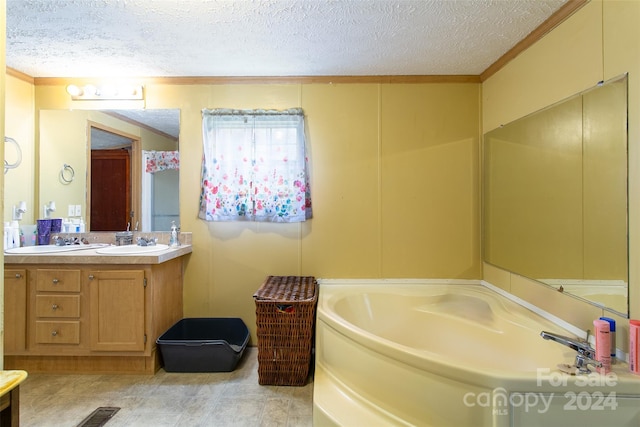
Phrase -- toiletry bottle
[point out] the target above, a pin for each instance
(174, 240)
(634, 346)
(612, 336)
(7, 232)
(15, 234)
(603, 345)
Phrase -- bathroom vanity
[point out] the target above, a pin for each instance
(86, 311)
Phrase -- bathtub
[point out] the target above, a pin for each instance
(441, 353)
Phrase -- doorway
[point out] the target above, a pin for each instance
(112, 189)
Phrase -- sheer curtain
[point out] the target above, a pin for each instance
(254, 166)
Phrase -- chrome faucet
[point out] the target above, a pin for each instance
(586, 354)
(147, 241)
(62, 241)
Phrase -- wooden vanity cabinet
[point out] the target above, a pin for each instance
(90, 318)
(15, 313)
(117, 310)
(56, 307)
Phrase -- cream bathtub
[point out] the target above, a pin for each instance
(419, 352)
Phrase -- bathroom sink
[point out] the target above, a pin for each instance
(132, 249)
(49, 249)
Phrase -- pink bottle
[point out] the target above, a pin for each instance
(634, 346)
(603, 344)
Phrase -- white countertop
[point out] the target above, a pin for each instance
(91, 256)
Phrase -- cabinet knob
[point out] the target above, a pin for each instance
(54, 307)
(55, 281)
(54, 333)
(18, 275)
(91, 277)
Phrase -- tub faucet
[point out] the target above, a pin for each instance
(586, 354)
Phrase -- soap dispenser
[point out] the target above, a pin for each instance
(174, 240)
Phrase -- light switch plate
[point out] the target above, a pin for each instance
(78, 210)
(71, 211)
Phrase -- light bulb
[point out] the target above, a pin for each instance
(74, 90)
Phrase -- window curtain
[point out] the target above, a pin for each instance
(254, 166)
(161, 160)
(152, 162)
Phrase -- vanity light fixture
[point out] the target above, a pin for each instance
(19, 210)
(109, 92)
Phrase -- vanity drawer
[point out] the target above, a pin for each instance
(59, 332)
(56, 280)
(58, 306)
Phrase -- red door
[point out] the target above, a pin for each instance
(110, 190)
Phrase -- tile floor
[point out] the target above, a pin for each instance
(166, 399)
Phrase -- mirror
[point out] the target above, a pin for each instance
(146, 139)
(555, 196)
(111, 156)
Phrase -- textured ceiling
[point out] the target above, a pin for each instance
(181, 38)
(165, 121)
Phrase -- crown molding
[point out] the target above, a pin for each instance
(554, 20)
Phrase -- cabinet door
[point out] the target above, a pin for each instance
(15, 310)
(117, 310)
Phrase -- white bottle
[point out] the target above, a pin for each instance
(15, 234)
(7, 233)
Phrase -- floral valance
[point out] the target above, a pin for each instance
(162, 160)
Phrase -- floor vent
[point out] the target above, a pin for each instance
(99, 417)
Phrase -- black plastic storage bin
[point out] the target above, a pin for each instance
(203, 344)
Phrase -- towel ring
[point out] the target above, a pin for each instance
(67, 173)
(8, 166)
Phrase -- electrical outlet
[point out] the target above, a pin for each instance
(71, 211)
(78, 210)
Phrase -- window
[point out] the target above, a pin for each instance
(254, 166)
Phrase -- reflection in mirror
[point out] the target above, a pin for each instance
(70, 137)
(110, 162)
(555, 196)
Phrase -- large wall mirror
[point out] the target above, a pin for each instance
(555, 196)
(120, 167)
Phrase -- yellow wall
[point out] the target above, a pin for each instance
(394, 184)
(599, 42)
(19, 184)
(555, 197)
(544, 222)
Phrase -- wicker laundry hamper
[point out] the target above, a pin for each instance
(285, 318)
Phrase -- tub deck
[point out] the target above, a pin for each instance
(423, 352)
